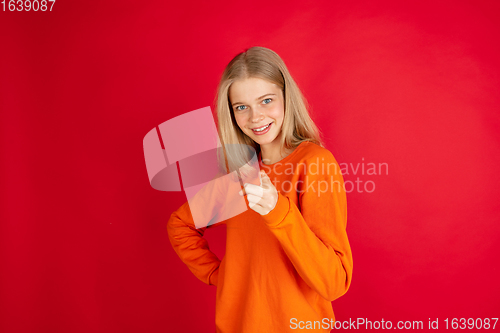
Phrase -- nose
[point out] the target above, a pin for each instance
(256, 115)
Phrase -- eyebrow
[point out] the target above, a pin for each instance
(255, 99)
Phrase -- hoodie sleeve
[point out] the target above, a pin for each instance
(314, 237)
(188, 241)
(191, 247)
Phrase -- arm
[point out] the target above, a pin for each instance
(315, 238)
(191, 247)
(188, 241)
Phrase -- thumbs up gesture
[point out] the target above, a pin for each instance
(261, 199)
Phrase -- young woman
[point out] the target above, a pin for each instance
(288, 256)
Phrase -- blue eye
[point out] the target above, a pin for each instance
(238, 108)
(268, 99)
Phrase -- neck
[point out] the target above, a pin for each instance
(273, 152)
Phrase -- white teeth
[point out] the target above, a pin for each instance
(263, 128)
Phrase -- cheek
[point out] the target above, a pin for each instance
(240, 121)
(277, 113)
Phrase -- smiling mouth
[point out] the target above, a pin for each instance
(261, 129)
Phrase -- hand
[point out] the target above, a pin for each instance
(261, 199)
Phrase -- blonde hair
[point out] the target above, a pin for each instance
(263, 63)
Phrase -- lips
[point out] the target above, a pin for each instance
(253, 129)
(262, 129)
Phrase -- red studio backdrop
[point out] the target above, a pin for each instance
(411, 88)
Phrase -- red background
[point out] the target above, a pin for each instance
(83, 239)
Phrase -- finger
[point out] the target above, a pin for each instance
(254, 189)
(257, 208)
(266, 181)
(260, 176)
(253, 199)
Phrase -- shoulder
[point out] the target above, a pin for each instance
(318, 161)
(312, 152)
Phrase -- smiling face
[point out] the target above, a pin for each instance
(259, 110)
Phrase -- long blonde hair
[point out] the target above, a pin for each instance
(263, 63)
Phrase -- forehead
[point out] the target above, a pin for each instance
(251, 88)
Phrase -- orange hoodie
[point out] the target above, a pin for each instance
(281, 270)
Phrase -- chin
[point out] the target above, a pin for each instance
(264, 141)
